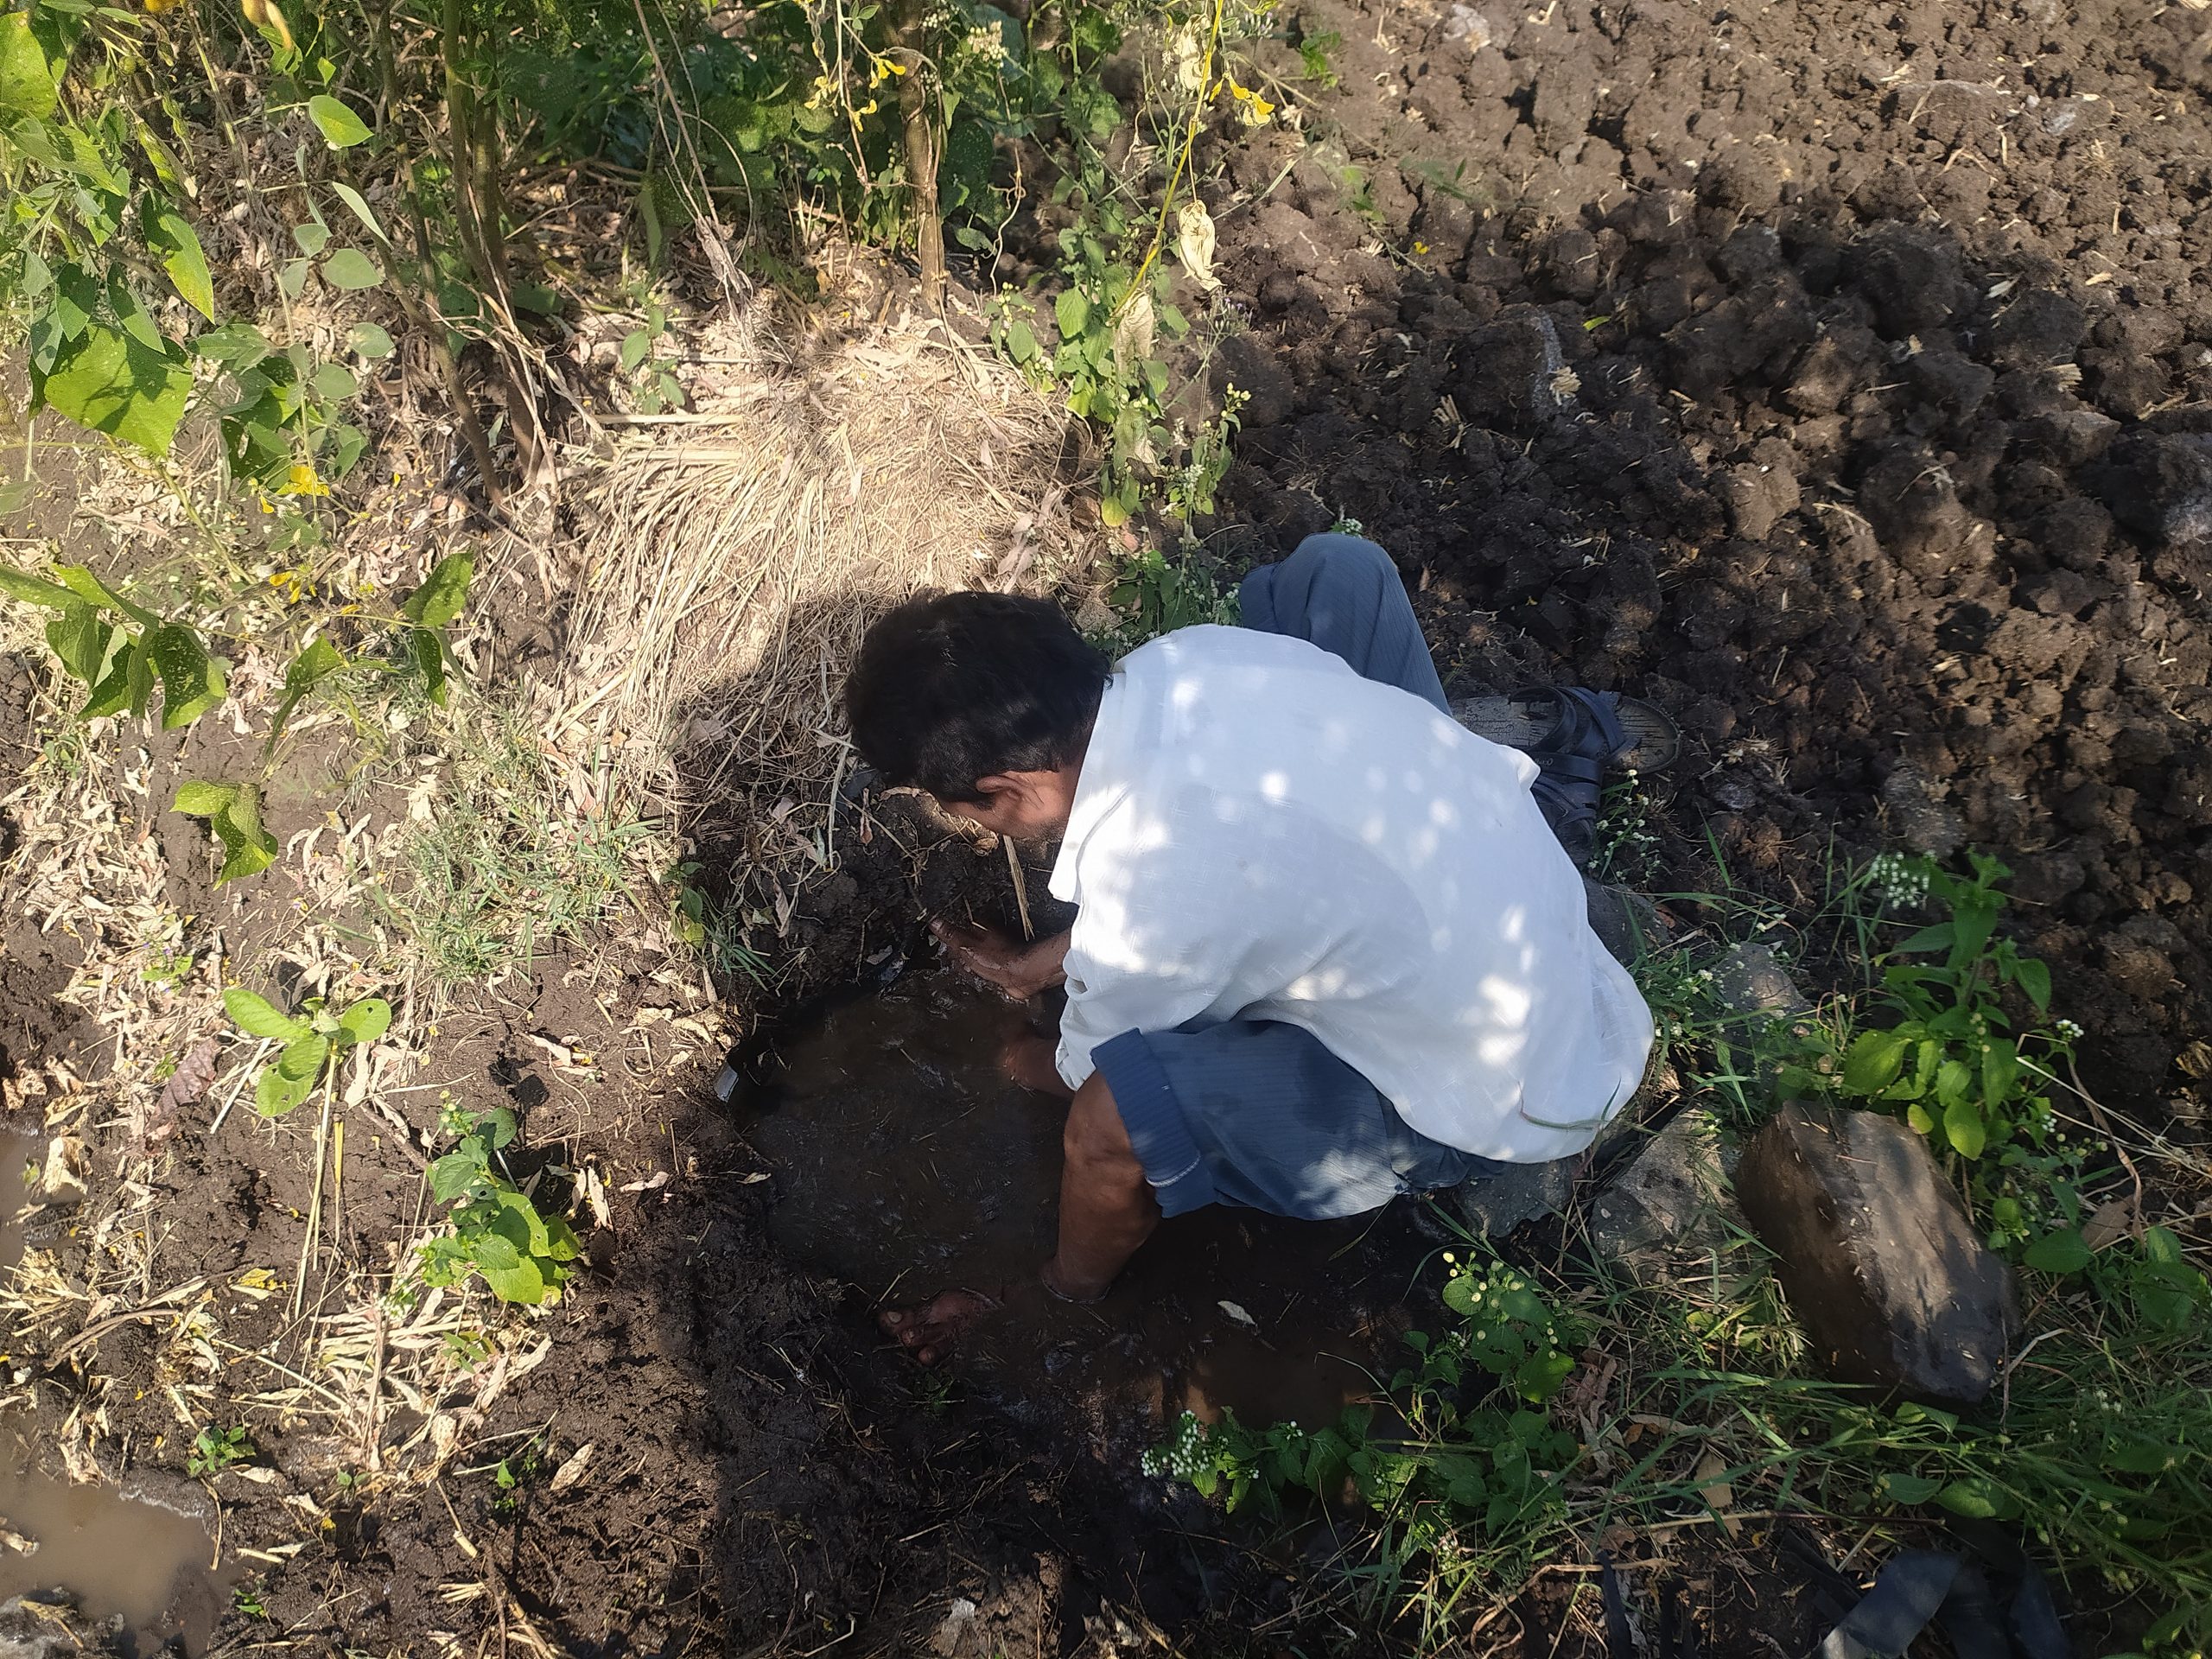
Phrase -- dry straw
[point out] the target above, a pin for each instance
(735, 557)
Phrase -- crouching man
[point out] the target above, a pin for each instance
(1327, 950)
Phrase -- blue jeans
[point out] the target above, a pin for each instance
(1255, 1112)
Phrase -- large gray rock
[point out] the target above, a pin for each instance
(1882, 1266)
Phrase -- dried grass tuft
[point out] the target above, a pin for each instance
(734, 556)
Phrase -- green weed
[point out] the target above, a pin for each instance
(313, 1047)
(502, 867)
(1154, 594)
(497, 1232)
(214, 1450)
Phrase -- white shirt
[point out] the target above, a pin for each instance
(1259, 833)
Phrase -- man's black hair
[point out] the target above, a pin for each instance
(953, 687)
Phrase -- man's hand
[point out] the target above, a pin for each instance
(1015, 970)
(1034, 1062)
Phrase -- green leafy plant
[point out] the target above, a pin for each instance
(312, 1046)
(1154, 593)
(120, 659)
(653, 377)
(524, 1256)
(1463, 1460)
(1937, 1041)
(1190, 489)
(215, 1449)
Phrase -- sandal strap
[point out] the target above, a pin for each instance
(1580, 768)
(1602, 710)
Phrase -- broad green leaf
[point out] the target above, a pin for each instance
(635, 345)
(1459, 1294)
(442, 594)
(139, 674)
(522, 1282)
(236, 345)
(176, 245)
(124, 672)
(275, 1094)
(303, 1057)
(292, 279)
(2063, 1251)
(518, 1220)
(1910, 1489)
(357, 206)
(32, 591)
(352, 269)
(30, 76)
(256, 1016)
(497, 1126)
(81, 640)
(312, 236)
(1964, 1130)
(1975, 1498)
(1021, 341)
(316, 663)
(250, 852)
(562, 1244)
(233, 811)
(1873, 1062)
(367, 339)
(93, 591)
(114, 383)
(1953, 1080)
(1071, 310)
(366, 1021)
(453, 1175)
(192, 681)
(429, 657)
(337, 125)
(2035, 979)
(333, 381)
(1937, 937)
(197, 797)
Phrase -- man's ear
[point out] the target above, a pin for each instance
(999, 783)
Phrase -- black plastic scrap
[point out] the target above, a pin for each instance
(1918, 1587)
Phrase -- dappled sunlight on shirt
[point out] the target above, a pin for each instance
(1261, 834)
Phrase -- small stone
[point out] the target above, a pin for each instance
(1881, 1265)
(1748, 978)
(1671, 1212)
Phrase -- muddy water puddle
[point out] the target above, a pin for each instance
(906, 1165)
(144, 1558)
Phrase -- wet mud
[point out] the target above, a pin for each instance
(906, 1163)
(148, 1561)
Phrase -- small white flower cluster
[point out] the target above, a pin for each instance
(983, 43)
(2066, 1029)
(1185, 1453)
(1898, 881)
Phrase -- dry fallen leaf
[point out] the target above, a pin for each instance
(2109, 1222)
(1718, 1492)
(1239, 1315)
(572, 1469)
(20, 1542)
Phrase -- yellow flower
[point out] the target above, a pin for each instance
(1255, 109)
(263, 14)
(301, 481)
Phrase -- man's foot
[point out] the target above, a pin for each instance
(928, 1330)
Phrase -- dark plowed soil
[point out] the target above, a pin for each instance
(1840, 377)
